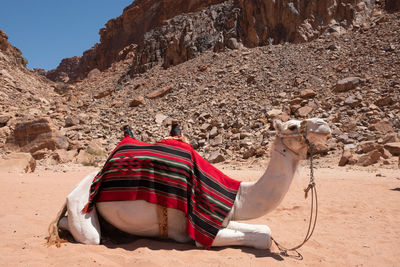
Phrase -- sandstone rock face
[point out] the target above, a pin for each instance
(36, 135)
(19, 162)
(136, 20)
(67, 70)
(169, 32)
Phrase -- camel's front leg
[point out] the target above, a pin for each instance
(230, 237)
(249, 228)
(243, 234)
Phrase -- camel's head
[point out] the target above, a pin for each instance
(294, 133)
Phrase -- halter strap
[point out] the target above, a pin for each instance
(302, 133)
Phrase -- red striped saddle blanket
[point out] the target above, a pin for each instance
(169, 173)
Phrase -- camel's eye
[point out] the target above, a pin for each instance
(292, 127)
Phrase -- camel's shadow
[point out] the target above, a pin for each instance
(162, 244)
(113, 238)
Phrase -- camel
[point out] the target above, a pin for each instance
(253, 199)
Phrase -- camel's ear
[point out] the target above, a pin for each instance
(278, 125)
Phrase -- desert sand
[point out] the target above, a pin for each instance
(358, 224)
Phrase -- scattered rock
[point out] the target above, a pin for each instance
(159, 92)
(384, 101)
(273, 113)
(137, 101)
(307, 93)
(304, 111)
(352, 101)
(216, 157)
(159, 119)
(103, 94)
(64, 156)
(71, 121)
(249, 153)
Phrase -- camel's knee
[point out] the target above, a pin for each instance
(265, 229)
(263, 241)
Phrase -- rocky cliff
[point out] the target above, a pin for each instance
(169, 32)
(6, 47)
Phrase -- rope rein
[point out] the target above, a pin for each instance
(314, 207)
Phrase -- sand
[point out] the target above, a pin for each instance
(358, 224)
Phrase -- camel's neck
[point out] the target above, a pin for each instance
(257, 198)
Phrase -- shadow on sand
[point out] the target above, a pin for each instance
(162, 244)
(114, 238)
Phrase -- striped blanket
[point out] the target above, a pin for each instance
(169, 173)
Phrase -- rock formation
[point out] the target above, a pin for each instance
(170, 32)
(195, 69)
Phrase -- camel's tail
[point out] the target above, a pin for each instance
(54, 238)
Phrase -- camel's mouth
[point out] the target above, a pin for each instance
(318, 138)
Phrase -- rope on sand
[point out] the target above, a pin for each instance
(54, 237)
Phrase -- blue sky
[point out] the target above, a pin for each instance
(47, 31)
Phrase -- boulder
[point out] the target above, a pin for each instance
(346, 84)
(383, 126)
(205, 127)
(347, 157)
(64, 156)
(94, 73)
(249, 153)
(216, 157)
(217, 141)
(213, 132)
(393, 148)
(390, 138)
(95, 148)
(19, 162)
(33, 135)
(4, 133)
(370, 158)
(304, 111)
(4, 119)
(368, 146)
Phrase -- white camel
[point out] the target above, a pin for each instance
(254, 199)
